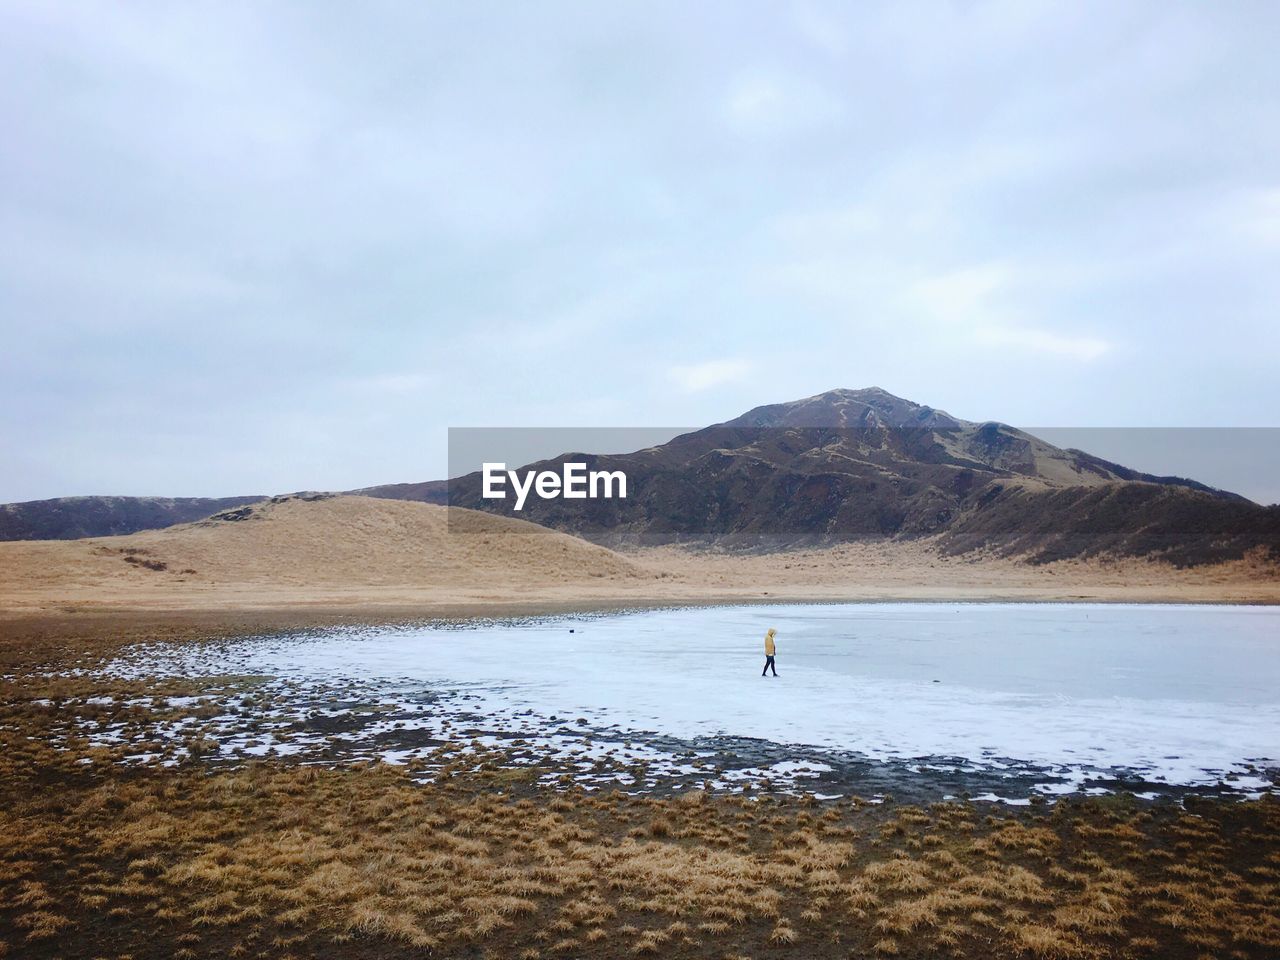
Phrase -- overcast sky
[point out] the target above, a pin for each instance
(249, 248)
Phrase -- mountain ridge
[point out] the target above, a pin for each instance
(71, 518)
(865, 464)
(845, 464)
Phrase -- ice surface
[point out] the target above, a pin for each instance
(1175, 694)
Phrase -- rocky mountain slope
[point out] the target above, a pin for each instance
(864, 464)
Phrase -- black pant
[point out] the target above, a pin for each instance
(768, 665)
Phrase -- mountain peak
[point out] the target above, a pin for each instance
(860, 392)
(845, 408)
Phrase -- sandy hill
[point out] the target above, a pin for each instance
(323, 548)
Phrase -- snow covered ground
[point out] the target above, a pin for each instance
(1162, 694)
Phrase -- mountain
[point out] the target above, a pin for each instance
(865, 464)
(69, 518)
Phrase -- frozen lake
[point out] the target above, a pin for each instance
(1158, 694)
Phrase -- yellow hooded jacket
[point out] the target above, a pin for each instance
(769, 650)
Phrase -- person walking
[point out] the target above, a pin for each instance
(769, 651)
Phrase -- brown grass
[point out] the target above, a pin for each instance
(335, 862)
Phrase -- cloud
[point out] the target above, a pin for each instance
(775, 104)
(697, 377)
(390, 384)
(962, 295)
(985, 300)
(356, 228)
(1084, 349)
(821, 31)
(1259, 216)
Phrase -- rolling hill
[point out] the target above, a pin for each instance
(320, 549)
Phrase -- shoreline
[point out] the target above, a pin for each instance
(33, 639)
(303, 614)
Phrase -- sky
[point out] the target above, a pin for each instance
(263, 247)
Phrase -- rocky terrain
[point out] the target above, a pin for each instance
(866, 465)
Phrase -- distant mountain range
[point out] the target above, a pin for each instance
(846, 464)
(70, 518)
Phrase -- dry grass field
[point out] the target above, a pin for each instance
(276, 859)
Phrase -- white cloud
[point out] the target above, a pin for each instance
(765, 105)
(823, 32)
(827, 228)
(390, 384)
(981, 298)
(713, 373)
(1259, 216)
(1085, 349)
(962, 295)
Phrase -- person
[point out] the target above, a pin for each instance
(769, 651)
